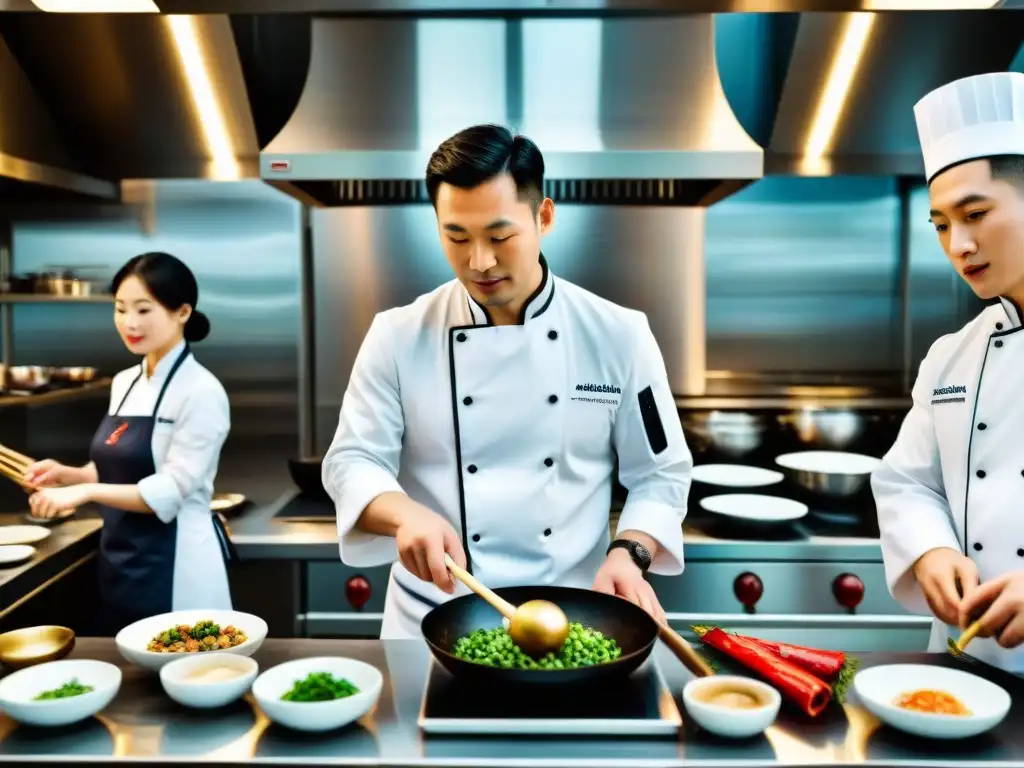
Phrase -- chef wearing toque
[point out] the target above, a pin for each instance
(949, 492)
(484, 419)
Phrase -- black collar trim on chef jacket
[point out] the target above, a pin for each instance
(1013, 314)
(533, 307)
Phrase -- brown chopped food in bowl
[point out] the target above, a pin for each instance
(202, 636)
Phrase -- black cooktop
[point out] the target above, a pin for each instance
(640, 704)
(307, 508)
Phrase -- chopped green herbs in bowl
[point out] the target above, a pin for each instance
(320, 686)
(71, 688)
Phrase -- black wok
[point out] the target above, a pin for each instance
(629, 625)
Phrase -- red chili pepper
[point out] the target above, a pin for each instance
(824, 664)
(805, 690)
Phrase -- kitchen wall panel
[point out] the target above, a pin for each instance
(242, 240)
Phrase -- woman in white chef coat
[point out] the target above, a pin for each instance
(483, 420)
(948, 492)
(153, 457)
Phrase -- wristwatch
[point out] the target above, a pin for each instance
(640, 554)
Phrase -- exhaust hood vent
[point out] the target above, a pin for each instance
(35, 164)
(624, 109)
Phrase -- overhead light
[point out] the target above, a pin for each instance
(929, 5)
(211, 118)
(96, 6)
(837, 86)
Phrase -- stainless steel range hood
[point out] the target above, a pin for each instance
(905, 56)
(624, 109)
(35, 163)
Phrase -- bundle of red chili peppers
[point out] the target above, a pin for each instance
(809, 677)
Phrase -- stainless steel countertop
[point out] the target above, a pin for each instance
(144, 725)
(258, 535)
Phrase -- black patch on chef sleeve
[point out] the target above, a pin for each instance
(652, 421)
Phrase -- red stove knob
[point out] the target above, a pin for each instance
(848, 590)
(357, 592)
(748, 589)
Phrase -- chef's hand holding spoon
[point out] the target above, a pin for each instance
(1001, 605)
(938, 572)
(423, 538)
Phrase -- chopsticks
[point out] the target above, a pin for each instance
(13, 466)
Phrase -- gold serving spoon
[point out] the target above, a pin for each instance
(536, 626)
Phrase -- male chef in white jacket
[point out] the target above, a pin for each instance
(950, 492)
(483, 420)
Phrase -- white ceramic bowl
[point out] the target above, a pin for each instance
(731, 722)
(879, 687)
(18, 691)
(133, 640)
(317, 715)
(176, 678)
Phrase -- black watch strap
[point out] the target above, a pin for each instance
(640, 554)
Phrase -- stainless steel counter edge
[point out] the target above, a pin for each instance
(259, 536)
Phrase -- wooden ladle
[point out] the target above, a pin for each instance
(537, 626)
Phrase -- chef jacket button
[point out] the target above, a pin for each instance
(549, 462)
(982, 425)
(547, 532)
(552, 335)
(461, 337)
(1020, 553)
(471, 468)
(467, 401)
(999, 343)
(981, 473)
(552, 398)
(999, 326)
(977, 546)
(476, 537)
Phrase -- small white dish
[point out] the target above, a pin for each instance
(755, 507)
(735, 475)
(317, 716)
(133, 641)
(13, 554)
(705, 699)
(18, 691)
(878, 689)
(23, 534)
(206, 681)
(829, 462)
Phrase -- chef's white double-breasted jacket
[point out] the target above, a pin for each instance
(955, 475)
(512, 434)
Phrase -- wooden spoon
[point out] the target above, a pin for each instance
(536, 626)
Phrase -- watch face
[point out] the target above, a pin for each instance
(642, 552)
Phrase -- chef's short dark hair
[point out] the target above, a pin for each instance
(171, 283)
(1008, 168)
(482, 152)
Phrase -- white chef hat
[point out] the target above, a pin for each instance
(980, 116)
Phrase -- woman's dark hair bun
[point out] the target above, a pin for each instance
(171, 283)
(197, 327)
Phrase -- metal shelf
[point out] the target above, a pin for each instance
(56, 396)
(48, 298)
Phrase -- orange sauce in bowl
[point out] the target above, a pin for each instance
(932, 702)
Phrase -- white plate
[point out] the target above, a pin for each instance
(829, 462)
(879, 687)
(317, 715)
(736, 475)
(756, 507)
(18, 691)
(133, 640)
(16, 553)
(22, 534)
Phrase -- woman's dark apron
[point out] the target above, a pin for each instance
(137, 550)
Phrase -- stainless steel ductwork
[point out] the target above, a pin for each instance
(905, 56)
(35, 162)
(139, 96)
(625, 110)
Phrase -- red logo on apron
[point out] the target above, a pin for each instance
(116, 434)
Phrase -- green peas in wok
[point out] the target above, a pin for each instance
(584, 647)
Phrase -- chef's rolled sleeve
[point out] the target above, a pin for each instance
(655, 463)
(363, 459)
(914, 516)
(199, 432)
